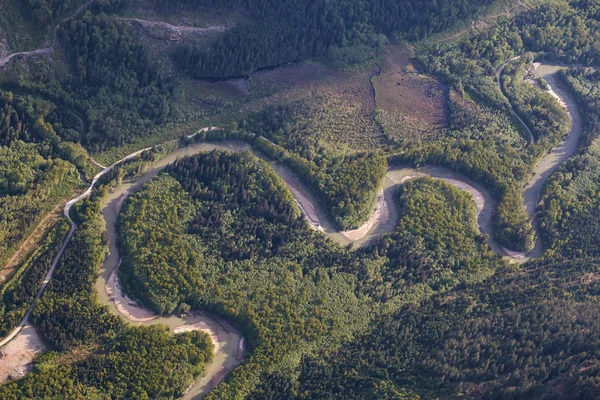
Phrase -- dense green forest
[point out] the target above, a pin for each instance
(547, 119)
(436, 242)
(565, 32)
(570, 203)
(347, 184)
(118, 361)
(425, 311)
(112, 86)
(524, 334)
(19, 292)
(36, 169)
(237, 246)
(282, 32)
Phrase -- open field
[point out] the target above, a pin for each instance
(410, 106)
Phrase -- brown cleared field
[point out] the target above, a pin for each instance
(341, 105)
(410, 106)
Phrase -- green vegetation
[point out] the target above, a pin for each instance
(436, 245)
(348, 185)
(45, 12)
(524, 334)
(18, 30)
(220, 232)
(287, 31)
(142, 362)
(566, 32)
(426, 311)
(34, 175)
(570, 202)
(547, 119)
(237, 246)
(111, 87)
(18, 294)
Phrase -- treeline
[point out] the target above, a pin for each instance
(220, 232)
(557, 31)
(565, 32)
(435, 247)
(140, 363)
(49, 12)
(113, 87)
(113, 74)
(491, 163)
(237, 246)
(569, 204)
(287, 31)
(45, 12)
(348, 185)
(548, 120)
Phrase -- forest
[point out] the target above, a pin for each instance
(427, 310)
(570, 201)
(18, 293)
(528, 334)
(113, 101)
(282, 32)
(37, 170)
(108, 358)
(287, 287)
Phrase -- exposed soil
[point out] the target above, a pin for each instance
(17, 355)
(380, 216)
(127, 307)
(173, 32)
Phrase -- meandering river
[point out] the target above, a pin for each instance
(229, 343)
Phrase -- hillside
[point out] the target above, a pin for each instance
(299, 199)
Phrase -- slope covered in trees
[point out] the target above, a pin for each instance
(18, 293)
(220, 231)
(96, 355)
(35, 172)
(282, 32)
(559, 31)
(425, 311)
(570, 202)
(347, 184)
(529, 334)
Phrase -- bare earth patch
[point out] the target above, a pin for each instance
(124, 304)
(379, 216)
(16, 357)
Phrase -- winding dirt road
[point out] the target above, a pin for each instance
(4, 60)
